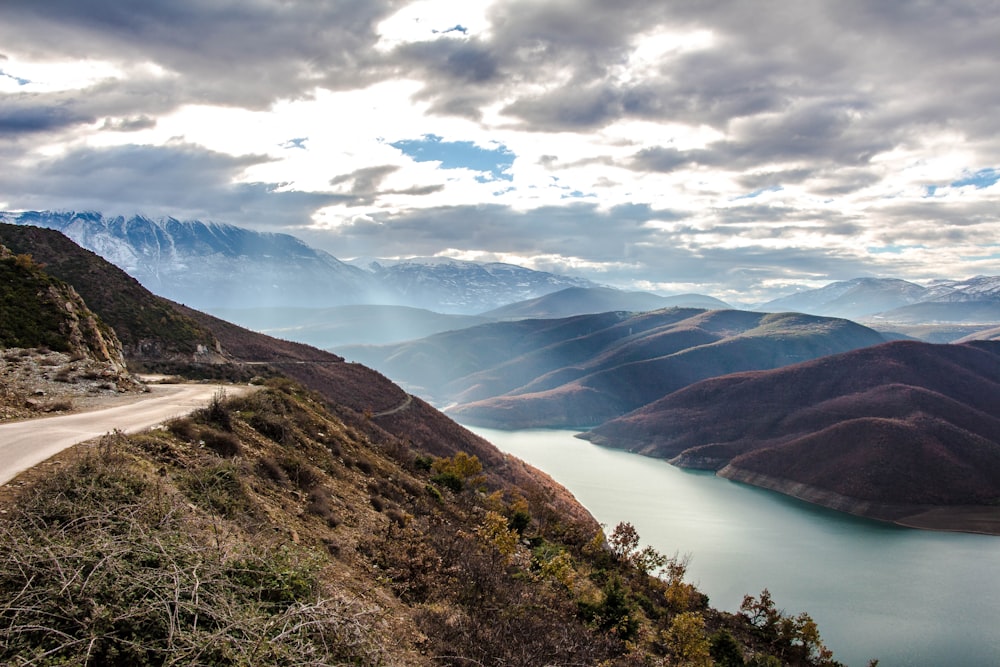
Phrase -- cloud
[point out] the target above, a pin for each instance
(740, 142)
(247, 54)
(181, 180)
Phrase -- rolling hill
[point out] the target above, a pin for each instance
(590, 368)
(882, 431)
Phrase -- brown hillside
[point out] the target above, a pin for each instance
(900, 424)
(624, 374)
(169, 337)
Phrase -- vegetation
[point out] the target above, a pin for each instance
(148, 326)
(336, 521)
(264, 530)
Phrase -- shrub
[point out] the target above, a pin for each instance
(222, 443)
(321, 504)
(218, 488)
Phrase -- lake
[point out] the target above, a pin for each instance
(903, 596)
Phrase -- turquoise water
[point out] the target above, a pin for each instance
(903, 596)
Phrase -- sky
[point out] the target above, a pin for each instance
(740, 149)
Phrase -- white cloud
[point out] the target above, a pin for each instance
(660, 144)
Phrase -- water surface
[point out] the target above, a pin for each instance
(904, 596)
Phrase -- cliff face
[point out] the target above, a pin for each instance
(41, 311)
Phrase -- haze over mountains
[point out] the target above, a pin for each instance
(976, 300)
(583, 370)
(248, 274)
(210, 266)
(579, 370)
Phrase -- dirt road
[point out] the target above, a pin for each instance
(28, 443)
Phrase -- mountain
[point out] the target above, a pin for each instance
(40, 311)
(881, 431)
(456, 286)
(329, 328)
(583, 300)
(590, 368)
(886, 302)
(326, 518)
(210, 265)
(979, 288)
(150, 328)
(852, 299)
(57, 354)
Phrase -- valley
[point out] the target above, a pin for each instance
(816, 407)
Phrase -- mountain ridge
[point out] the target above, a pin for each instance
(586, 369)
(212, 265)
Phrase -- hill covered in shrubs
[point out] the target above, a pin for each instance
(264, 530)
(887, 431)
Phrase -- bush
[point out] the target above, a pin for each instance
(220, 442)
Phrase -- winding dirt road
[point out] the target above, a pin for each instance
(28, 443)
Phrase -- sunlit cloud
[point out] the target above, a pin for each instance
(655, 145)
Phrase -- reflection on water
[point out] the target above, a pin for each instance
(906, 597)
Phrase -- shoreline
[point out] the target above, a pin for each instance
(972, 519)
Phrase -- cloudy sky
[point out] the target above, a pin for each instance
(732, 148)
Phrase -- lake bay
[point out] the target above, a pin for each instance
(903, 596)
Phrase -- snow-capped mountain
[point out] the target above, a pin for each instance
(457, 286)
(980, 288)
(851, 298)
(212, 266)
(948, 301)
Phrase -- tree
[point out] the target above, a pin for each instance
(687, 642)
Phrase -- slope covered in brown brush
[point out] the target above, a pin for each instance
(168, 337)
(902, 424)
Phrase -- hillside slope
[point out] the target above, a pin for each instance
(348, 523)
(880, 431)
(167, 337)
(588, 369)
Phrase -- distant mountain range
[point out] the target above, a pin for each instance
(586, 369)
(585, 300)
(830, 415)
(878, 431)
(898, 301)
(455, 286)
(212, 266)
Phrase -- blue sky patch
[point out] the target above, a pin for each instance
(983, 178)
(757, 193)
(492, 163)
(894, 248)
(20, 81)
